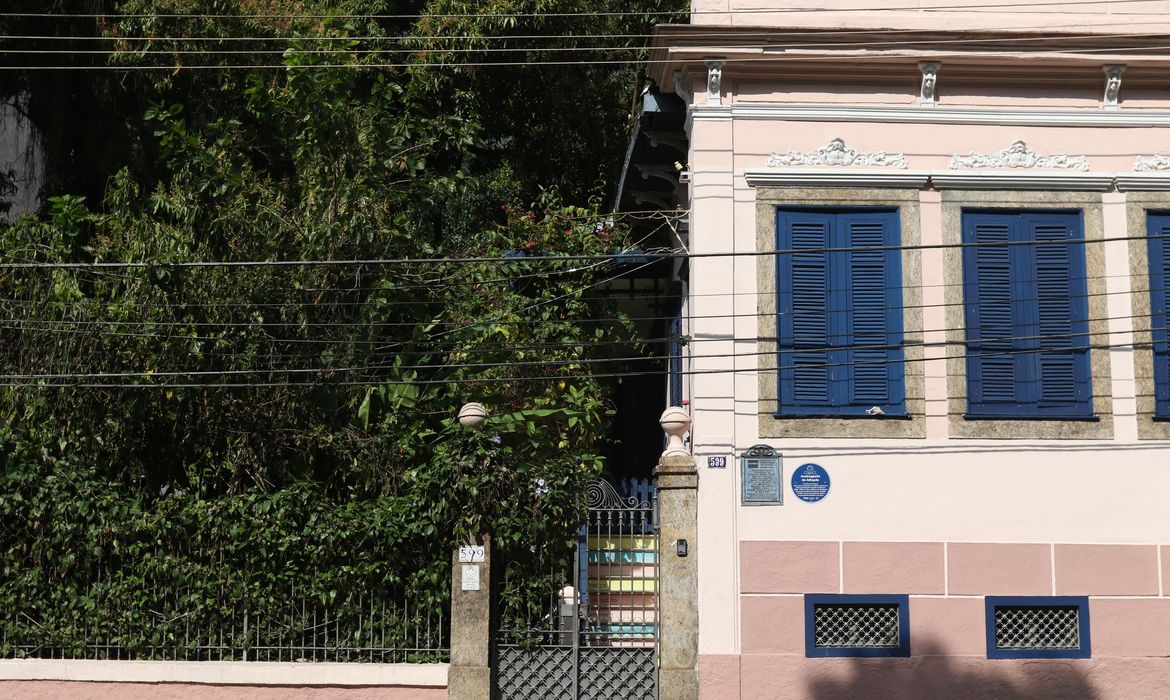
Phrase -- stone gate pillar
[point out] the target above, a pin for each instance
(678, 602)
(469, 676)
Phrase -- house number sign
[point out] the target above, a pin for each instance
(471, 554)
(760, 468)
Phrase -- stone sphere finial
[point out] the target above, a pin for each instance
(473, 415)
(675, 422)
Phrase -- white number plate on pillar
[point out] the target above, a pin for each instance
(471, 554)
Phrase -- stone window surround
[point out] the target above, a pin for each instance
(953, 202)
(1089, 203)
(1136, 206)
(906, 201)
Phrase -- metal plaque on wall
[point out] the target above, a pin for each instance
(760, 470)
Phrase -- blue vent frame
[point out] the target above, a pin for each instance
(1080, 602)
(812, 651)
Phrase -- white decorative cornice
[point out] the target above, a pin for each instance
(1155, 162)
(836, 153)
(928, 94)
(1143, 182)
(1132, 118)
(1016, 180)
(714, 82)
(841, 177)
(1112, 86)
(948, 179)
(1018, 155)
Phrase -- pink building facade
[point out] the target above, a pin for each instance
(927, 258)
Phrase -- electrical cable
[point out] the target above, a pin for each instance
(254, 324)
(641, 358)
(773, 45)
(521, 380)
(711, 32)
(629, 13)
(324, 303)
(175, 67)
(673, 254)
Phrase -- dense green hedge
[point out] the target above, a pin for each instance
(88, 561)
(180, 445)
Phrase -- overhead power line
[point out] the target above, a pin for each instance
(628, 13)
(770, 44)
(309, 324)
(628, 256)
(578, 361)
(33, 381)
(1112, 50)
(712, 32)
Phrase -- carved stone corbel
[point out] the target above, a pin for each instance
(669, 139)
(680, 88)
(658, 200)
(1112, 86)
(661, 171)
(928, 94)
(714, 80)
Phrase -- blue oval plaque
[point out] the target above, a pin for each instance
(810, 482)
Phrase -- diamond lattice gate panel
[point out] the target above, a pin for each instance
(542, 672)
(596, 636)
(617, 673)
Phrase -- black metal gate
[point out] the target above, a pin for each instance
(599, 638)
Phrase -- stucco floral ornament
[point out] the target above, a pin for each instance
(1155, 162)
(837, 153)
(1018, 155)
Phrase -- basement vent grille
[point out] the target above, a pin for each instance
(856, 626)
(1038, 627)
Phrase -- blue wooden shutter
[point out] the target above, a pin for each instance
(803, 308)
(871, 361)
(1027, 315)
(1158, 228)
(675, 359)
(992, 372)
(1060, 355)
(839, 306)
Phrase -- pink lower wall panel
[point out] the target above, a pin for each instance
(893, 567)
(956, 568)
(1130, 627)
(993, 568)
(76, 690)
(785, 677)
(719, 676)
(790, 567)
(1102, 569)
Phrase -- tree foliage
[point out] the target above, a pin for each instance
(176, 433)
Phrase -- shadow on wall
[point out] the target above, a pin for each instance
(932, 675)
